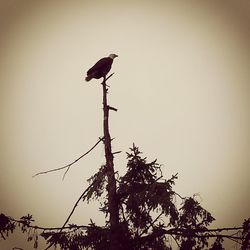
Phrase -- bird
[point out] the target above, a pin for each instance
(101, 68)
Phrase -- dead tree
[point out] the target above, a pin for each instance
(113, 207)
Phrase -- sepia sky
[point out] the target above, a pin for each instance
(181, 86)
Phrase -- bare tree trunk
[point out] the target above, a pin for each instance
(112, 197)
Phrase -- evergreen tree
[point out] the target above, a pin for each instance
(142, 210)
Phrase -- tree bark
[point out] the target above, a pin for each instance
(111, 188)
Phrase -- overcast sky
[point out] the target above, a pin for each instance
(181, 86)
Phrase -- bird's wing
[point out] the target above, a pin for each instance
(99, 65)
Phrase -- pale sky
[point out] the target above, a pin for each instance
(181, 86)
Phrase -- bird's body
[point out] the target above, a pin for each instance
(101, 68)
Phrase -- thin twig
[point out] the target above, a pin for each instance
(112, 108)
(70, 164)
(183, 198)
(218, 229)
(81, 197)
(151, 224)
(106, 78)
(65, 172)
(184, 232)
(3, 236)
(117, 152)
(176, 241)
(72, 211)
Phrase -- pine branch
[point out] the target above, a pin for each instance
(48, 228)
(197, 233)
(218, 229)
(70, 164)
(201, 233)
(173, 231)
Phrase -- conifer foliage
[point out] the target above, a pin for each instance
(151, 215)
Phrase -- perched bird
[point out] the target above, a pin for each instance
(101, 68)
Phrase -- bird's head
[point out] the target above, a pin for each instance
(113, 56)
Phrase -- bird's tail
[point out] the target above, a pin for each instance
(88, 78)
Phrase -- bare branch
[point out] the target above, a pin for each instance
(112, 108)
(72, 211)
(173, 231)
(151, 224)
(48, 228)
(106, 78)
(177, 243)
(70, 164)
(196, 233)
(200, 233)
(183, 198)
(117, 152)
(218, 229)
